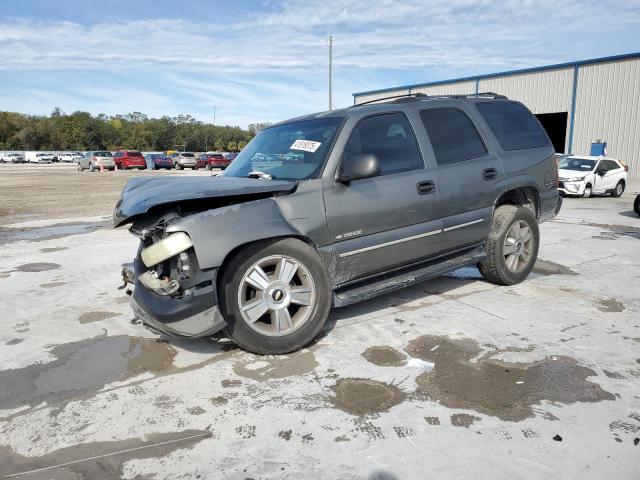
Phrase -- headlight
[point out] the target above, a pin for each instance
(574, 179)
(166, 248)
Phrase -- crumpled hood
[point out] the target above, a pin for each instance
(562, 173)
(142, 193)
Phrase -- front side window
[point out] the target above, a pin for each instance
(390, 138)
(294, 151)
(513, 125)
(453, 136)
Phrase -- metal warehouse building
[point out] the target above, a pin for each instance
(578, 103)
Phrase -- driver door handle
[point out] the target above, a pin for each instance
(426, 187)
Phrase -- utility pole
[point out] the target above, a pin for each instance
(214, 128)
(330, 69)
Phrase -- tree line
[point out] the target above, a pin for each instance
(82, 131)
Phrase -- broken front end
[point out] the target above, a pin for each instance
(171, 293)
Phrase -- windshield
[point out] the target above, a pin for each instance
(291, 151)
(579, 164)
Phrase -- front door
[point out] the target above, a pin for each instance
(389, 220)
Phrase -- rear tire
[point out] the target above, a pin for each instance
(512, 246)
(636, 205)
(292, 304)
(619, 190)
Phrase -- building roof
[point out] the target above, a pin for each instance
(612, 58)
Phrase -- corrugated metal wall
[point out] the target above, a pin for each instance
(608, 108)
(542, 92)
(447, 88)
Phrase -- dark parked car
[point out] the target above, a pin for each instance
(384, 195)
(636, 205)
(126, 159)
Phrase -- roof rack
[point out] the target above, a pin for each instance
(408, 97)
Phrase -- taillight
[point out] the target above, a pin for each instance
(626, 168)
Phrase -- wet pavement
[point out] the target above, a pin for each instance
(453, 378)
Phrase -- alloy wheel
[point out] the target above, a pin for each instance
(276, 295)
(518, 246)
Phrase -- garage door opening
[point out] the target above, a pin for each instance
(556, 126)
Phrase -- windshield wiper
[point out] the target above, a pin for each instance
(259, 174)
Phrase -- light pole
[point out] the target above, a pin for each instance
(330, 69)
(214, 128)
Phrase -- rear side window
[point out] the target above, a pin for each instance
(513, 125)
(390, 138)
(453, 136)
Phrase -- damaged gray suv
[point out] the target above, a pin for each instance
(338, 207)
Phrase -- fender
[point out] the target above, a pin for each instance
(215, 233)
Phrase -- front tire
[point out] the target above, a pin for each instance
(275, 296)
(512, 245)
(588, 191)
(619, 190)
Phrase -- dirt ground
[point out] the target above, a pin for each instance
(454, 378)
(30, 192)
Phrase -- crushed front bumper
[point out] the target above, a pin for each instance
(195, 314)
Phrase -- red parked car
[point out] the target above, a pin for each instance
(129, 159)
(215, 160)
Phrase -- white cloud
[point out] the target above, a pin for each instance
(272, 64)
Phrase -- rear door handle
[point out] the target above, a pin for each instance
(426, 187)
(489, 173)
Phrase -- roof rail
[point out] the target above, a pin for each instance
(407, 97)
(394, 97)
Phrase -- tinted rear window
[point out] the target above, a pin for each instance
(514, 126)
(134, 154)
(453, 137)
(187, 154)
(102, 154)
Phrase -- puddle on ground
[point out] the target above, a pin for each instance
(617, 229)
(15, 341)
(36, 267)
(609, 305)
(500, 389)
(545, 267)
(385, 356)
(53, 249)
(83, 367)
(96, 316)
(98, 459)
(463, 420)
(273, 367)
(361, 396)
(51, 232)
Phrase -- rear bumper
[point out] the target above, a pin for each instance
(550, 205)
(194, 315)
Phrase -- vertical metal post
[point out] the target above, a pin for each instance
(330, 70)
(214, 129)
(572, 117)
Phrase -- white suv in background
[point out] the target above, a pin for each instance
(13, 157)
(585, 176)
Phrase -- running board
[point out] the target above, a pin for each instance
(404, 278)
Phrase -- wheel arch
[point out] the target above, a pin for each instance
(526, 196)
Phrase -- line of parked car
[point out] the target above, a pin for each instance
(125, 159)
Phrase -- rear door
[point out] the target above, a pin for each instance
(389, 220)
(466, 176)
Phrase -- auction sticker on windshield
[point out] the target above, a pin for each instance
(306, 145)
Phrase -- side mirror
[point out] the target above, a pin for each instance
(601, 171)
(364, 165)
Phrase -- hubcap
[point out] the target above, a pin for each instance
(518, 246)
(276, 295)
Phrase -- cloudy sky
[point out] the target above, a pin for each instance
(267, 60)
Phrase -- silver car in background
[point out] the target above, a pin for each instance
(94, 159)
(184, 160)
